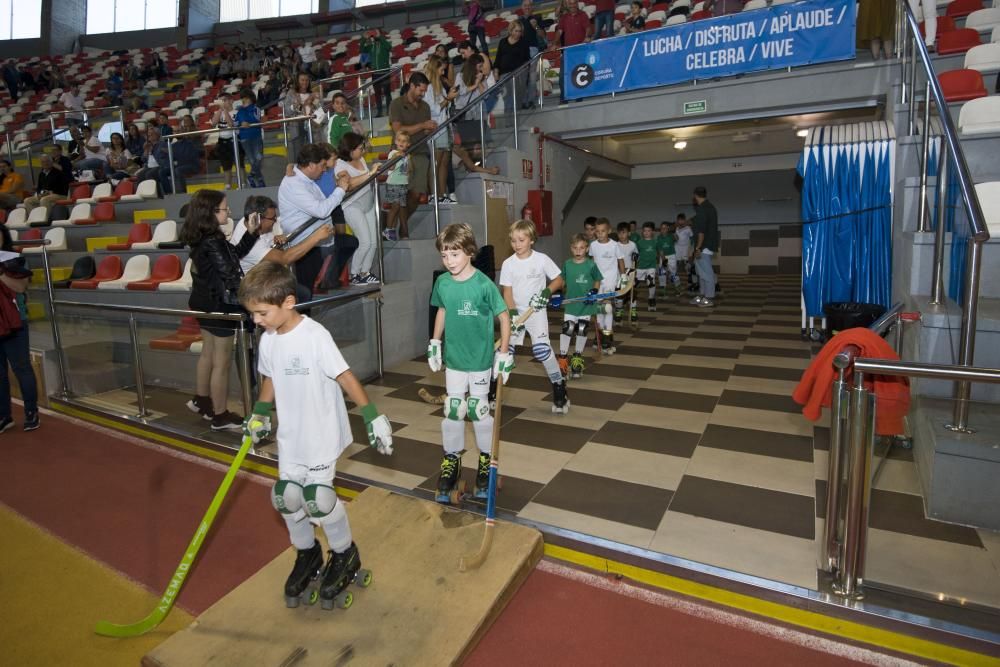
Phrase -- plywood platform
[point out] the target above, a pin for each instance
(419, 610)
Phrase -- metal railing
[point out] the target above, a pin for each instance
(170, 138)
(86, 116)
(912, 50)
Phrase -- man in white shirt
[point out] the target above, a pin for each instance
(73, 101)
(263, 249)
(304, 208)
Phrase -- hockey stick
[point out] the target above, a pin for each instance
(166, 602)
(473, 561)
(428, 397)
(558, 301)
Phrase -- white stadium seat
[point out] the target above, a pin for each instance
(57, 241)
(980, 116)
(136, 268)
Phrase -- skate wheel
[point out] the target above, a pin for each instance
(327, 605)
(313, 597)
(456, 495)
(291, 602)
(364, 579)
(344, 600)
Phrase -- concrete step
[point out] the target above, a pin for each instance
(917, 252)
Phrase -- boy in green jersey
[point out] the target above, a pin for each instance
(668, 257)
(582, 277)
(648, 247)
(467, 303)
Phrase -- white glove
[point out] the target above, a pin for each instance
(378, 428)
(503, 364)
(434, 355)
(622, 282)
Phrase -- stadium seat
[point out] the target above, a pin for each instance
(57, 241)
(110, 268)
(983, 20)
(30, 235)
(136, 269)
(959, 8)
(980, 116)
(39, 217)
(83, 269)
(983, 58)
(944, 24)
(676, 19)
(78, 192)
(962, 85)
(80, 211)
(957, 41)
(17, 219)
(167, 268)
(100, 190)
(103, 212)
(146, 190)
(164, 232)
(699, 15)
(182, 284)
(187, 333)
(13, 234)
(755, 4)
(125, 187)
(140, 232)
(989, 199)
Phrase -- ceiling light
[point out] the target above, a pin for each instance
(802, 133)
(680, 144)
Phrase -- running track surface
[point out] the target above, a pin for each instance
(132, 507)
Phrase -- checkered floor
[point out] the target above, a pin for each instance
(685, 442)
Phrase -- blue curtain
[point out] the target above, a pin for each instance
(814, 233)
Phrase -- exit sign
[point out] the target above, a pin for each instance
(701, 106)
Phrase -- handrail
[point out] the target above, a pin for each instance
(84, 110)
(925, 370)
(333, 79)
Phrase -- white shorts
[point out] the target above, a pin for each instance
(537, 327)
(304, 475)
(645, 274)
(460, 383)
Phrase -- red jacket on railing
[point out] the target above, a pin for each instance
(892, 393)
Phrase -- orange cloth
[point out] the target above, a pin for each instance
(12, 184)
(892, 393)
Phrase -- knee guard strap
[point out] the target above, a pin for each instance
(569, 326)
(581, 327)
(455, 408)
(479, 408)
(541, 351)
(650, 281)
(286, 496)
(320, 500)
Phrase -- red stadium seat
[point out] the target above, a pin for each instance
(962, 85)
(166, 269)
(140, 232)
(110, 268)
(944, 24)
(79, 192)
(960, 8)
(179, 341)
(103, 212)
(125, 187)
(699, 15)
(957, 41)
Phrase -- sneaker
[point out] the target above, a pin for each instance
(390, 235)
(369, 279)
(357, 280)
(6, 423)
(697, 300)
(227, 421)
(706, 303)
(451, 198)
(31, 420)
(202, 405)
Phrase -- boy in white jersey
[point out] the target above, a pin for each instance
(528, 279)
(608, 256)
(301, 366)
(630, 253)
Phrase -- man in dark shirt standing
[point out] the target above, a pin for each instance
(705, 225)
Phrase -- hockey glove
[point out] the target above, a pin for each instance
(434, 355)
(515, 328)
(556, 300)
(378, 428)
(591, 297)
(622, 282)
(540, 300)
(257, 425)
(503, 364)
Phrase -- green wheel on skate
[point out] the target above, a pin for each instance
(313, 597)
(344, 600)
(366, 579)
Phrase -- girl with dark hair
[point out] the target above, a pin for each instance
(14, 345)
(215, 275)
(359, 205)
(136, 140)
(120, 158)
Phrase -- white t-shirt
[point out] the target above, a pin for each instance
(683, 245)
(308, 53)
(259, 250)
(527, 277)
(362, 199)
(606, 256)
(303, 365)
(628, 248)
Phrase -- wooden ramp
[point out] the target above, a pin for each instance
(419, 610)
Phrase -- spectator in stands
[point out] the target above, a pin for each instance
(154, 156)
(359, 205)
(876, 25)
(534, 34)
(307, 52)
(439, 98)
(114, 87)
(58, 79)
(635, 21)
(186, 152)
(377, 46)
(604, 19)
(45, 79)
(163, 122)
(27, 78)
(266, 211)
(215, 275)
(157, 68)
(224, 118)
(11, 186)
(90, 154)
(513, 52)
(341, 248)
(11, 79)
(72, 101)
(476, 17)
(301, 100)
(51, 185)
(573, 26)
(120, 160)
(305, 208)
(441, 51)
(411, 113)
(225, 70)
(14, 343)
(340, 120)
(207, 70)
(251, 138)
(705, 225)
(135, 140)
(61, 162)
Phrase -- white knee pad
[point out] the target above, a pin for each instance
(541, 351)
(320, 500)
(479, 408)
(287, 498)
(455, 408)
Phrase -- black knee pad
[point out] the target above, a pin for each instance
(568, 327)
(581, 327)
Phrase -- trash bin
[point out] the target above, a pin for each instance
(848, 315)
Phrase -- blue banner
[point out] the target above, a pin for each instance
(802, 33)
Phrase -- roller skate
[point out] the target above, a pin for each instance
(560, 401)
(633, 314)
(577, 365)
(607, 343)
(451, 470)
(483, 476)
(619, 314)
(308, 563)
(342, 570)
(563, 365)
(651, 305)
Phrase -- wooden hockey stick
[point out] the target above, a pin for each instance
(473, 561)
